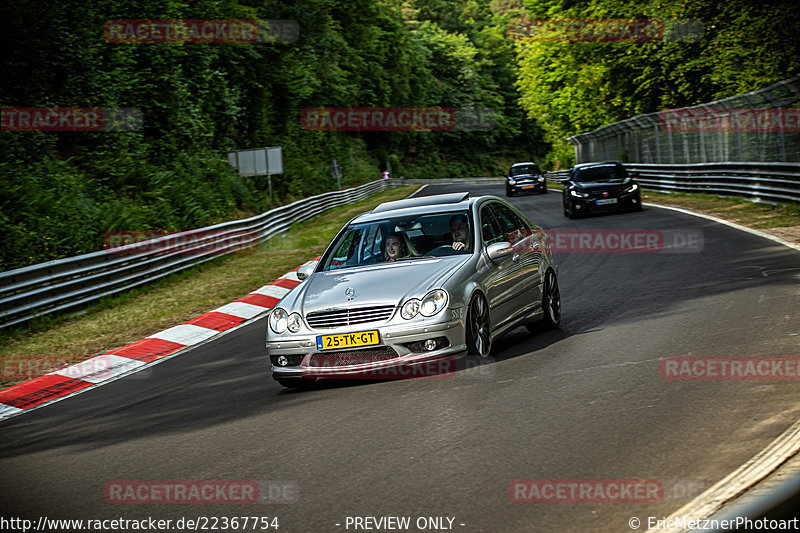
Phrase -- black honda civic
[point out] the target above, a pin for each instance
(598, 188)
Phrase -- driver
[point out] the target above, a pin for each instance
(459, 229)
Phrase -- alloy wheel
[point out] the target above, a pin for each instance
(479, 329)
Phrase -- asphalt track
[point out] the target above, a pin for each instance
(586, 402)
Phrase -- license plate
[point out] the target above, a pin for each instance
(348, 340)
(605, 201)
(528, 186)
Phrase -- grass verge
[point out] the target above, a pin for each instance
(735, 209)
(117, 321)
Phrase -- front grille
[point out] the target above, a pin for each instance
(337, 318)
(612, 193)
(352, 357)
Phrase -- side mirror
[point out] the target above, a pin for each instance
(499, 250)
(306, 270)
(504, 174)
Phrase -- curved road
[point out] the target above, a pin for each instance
(586, 402)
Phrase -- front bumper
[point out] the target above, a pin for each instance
(405, 339)
(527, 186)
(624, 202)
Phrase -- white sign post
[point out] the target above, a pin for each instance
(336, 170)
(259, 162)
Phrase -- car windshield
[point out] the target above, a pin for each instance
(600, 173)
(400, 239)
(518, 170)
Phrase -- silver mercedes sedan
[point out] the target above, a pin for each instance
(410, 286)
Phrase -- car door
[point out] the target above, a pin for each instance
(528, 257)
(503, 273)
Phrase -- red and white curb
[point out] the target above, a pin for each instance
(132, 358)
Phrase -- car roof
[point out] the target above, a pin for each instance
(439, 203)
(437, 199)
(597, 164)
(460, 201)
(526, 163)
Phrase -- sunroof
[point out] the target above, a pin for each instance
(451, 198)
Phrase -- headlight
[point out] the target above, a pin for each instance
(410, 309)
(632, 188)
(278, 320)
(433, 302)
(512, 181)
(577, 194)
(294, 322)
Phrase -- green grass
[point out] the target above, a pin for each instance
(735, 209)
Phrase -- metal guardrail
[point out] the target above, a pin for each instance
(761, 182)
(755, 126)
(556, 175)
(457, 181)
(74, 282)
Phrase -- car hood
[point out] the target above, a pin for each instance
(590, 185)
(524, 176)
(382, 284)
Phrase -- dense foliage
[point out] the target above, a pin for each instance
(61, 192)
(733, 46)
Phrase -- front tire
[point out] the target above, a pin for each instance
(479, 331)
(568, 212)
(551, 301)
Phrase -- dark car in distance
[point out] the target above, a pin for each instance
(525, 178)
(599, 188)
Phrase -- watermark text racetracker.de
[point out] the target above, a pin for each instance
(200, 241)
(718, 120)
(200, 31)
(603, 490)
(335, 366)
(70, 119)
(625, 241)
(748, 368)
(372, 119)
(200, 492)
(585, 490)
(605, 30)
(97, 368)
